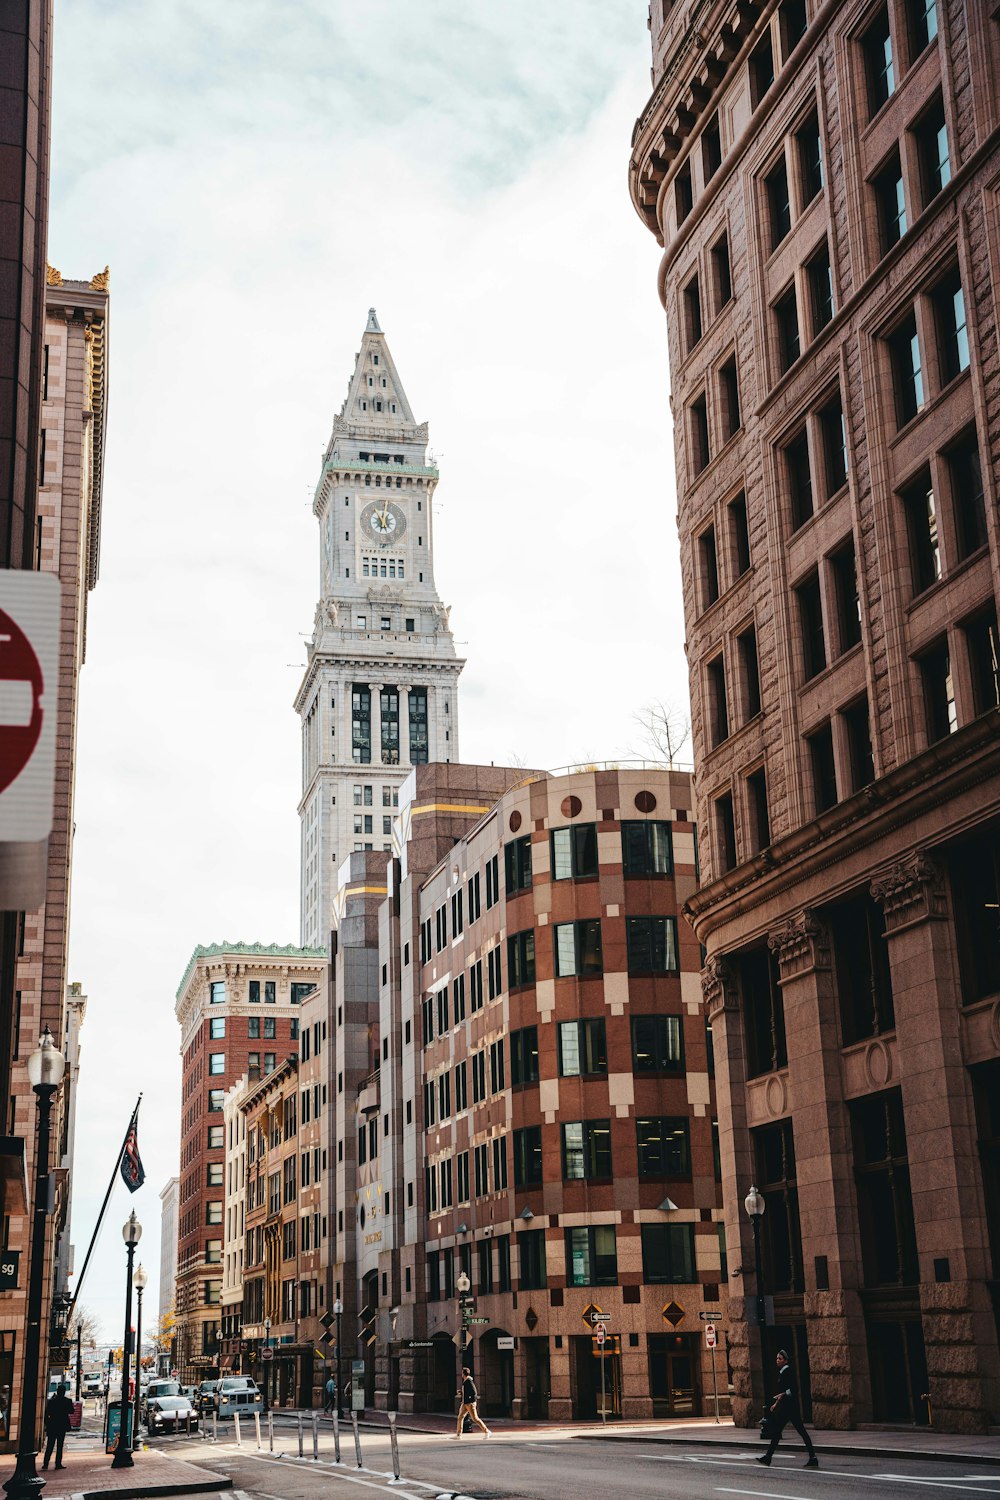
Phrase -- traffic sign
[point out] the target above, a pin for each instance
(710, 1317)
(596, 1316)
(267, 1354)
(711, 1338)
(29, 665)
(600, 1332)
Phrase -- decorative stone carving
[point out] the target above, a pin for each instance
(718, 986)
(53, 276)
(878, 1064)
(776, 1095)
(101, 281)
(801, 945)
(912, 890)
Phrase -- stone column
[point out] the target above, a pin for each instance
(375, 688)
(345, 752)
(404, 723)
(824, 1173)
(963, 1365)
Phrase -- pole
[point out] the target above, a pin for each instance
(79, 1359)
(604, 1403)
(715, 1385)
(138, 1366)
(340, 1383)
(100, 1216)
(123, 1448)
(761, 1307)
(25, 1481)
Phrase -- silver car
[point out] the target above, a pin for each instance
(237, 1393)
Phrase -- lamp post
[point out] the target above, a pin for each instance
(462, 1286)
(131, 1234)
(267, 1365)
(338, 1313)
(141, 1279)
(46, 1067)
(754, 1205)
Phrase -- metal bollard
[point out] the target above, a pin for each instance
(336, 1437)
(215, 1427)
(236, 1429)
(315, 1426)
(256, 1428)
(270, 1431)
(298, 1421)
(187, 1418)
(395, 1445)
(357, 1438)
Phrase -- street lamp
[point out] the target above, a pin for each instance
(338, 1312)
(267, 1364)
(462, 1285)
(131, 1234)
(46, 1067)
(754, 1205)
(141, 1278)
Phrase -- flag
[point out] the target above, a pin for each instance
(133, 1172)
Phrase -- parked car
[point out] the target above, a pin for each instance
(205, 1395)
(237, 1393)
(154, 1390)
(170, 1414)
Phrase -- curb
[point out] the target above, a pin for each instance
(141, 1492)
(850, 1450)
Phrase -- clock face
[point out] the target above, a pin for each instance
(383, 520)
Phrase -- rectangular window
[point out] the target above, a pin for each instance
(479, 1076)
(651, 944)
(739, 534)
(845, 586)
(480, 1159)
(809, 149)
(834, 430)
(779, 206)
(890, 197)
(462, 1174)
(524, 1056)
(444, 1095)
(458, 998)
(217, 1028)
(761, 69)
(907, 371)
(718, 711)
(521, 959)
(692, 314)
(499, 1163)
(216, 1098)
(792, 22)
(254, 992)
(531, 1260)
(760, 821)
(583, 1050)
(764, 1012)
(968, 500)
(574, 852)
(708, 567)
(657, 1044)
(270, 1029)
(476, 987)
(975, 883)
(823, 769)
(923, 19)
(216, 1137)
(746, 649)
(647, 848)
(269, 991)
(981, 644)
(485, 1267)
(577, 948)
(698, 434)
(932, 148)
(729, 393)
(497, 1077)
(517, 865)
(492, 881)
(952, 330)
(683, 193)
(361, 725)
(461, 1086)
(725, 832)
(664, 1146)
(859, 744)
(879, 69)
(668, 1254)
(214, 1173)
(799, 476)
(586, 1150)
(885, 1205)
(786, 319)
(418, 727)
(528, 1170)
(217, 992)
(502, 1243)
(819, 272)
(591, 1256)
(811, 634)
(922, 532)
(940, 714)
(722, 273)
(711, 148)
(216, 1062)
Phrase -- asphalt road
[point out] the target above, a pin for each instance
(510, 1467)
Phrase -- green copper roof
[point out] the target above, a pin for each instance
(248, 950)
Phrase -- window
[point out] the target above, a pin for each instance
(213, 1293)
(810, 615)
(848, 601)
(583, 1050)
(799, 476)
(834, 431)
(269, 1060)
(809, 150)
(761, 69)
(577, 948)
(792, 22)
(586, 1150)
(213, 1174)
(708, 567)
(269, 991)
(461, 1087)
(786, 318)
(485, 1267)
(739, 534)
(521, 958)
(764, 1012)
(907, 371)
(692, 314)
(968, 501)
(479, 1157)
(922, 532)
(683, 193)
(711, 148)
(531, 1259)
(877, 47)
(698, 429)
(213, 1213)
(646, 848)
(722, 273)
(725, 832)
(651, 944)
(444, 1095)
(821, 763)
(524, 1056)
(217, 1028)
(574, 852)
(270, 1029)
(819, 274)
(760, 821)
(668, 1254)
(499, 1163)
(497, 1079)
(885, 1207)
(746, 648)
(940, 715)
(528, 1156)
(591, 1256)
(215, 1099)
(664, 1146)
(458, 998)
(975, 883)
(492, 881)
(217, 992)
(781, 1238)
(981, 644)
(253, 992)
(479, 1076)
(890, 197)
(729, 391)
(718, 712)
(861, 759)
(861, 966)
(213, 1252)
(216, 1137)
(952, 331)
(779, 206)
(517, 865)
(932, 149)
(657, 1044)
(923, 25)
(476, 987)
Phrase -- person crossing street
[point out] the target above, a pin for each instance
(58, 1410)
(469, 1403)
(784, 1409)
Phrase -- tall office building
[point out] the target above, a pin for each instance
(822, 180)
(380, 690)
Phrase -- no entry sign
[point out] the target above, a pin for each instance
(29, 657)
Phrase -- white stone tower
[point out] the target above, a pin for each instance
(380, 690)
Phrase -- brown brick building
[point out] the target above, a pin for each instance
(822, 178)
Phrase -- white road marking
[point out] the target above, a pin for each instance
(765, 1494)
(351, 1477)
(945, 1484)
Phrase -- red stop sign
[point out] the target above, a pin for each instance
(21, 688)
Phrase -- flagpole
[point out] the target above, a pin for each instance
(100, 1216)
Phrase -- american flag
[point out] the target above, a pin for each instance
(133, 1172)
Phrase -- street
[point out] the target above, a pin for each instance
(565, 1467)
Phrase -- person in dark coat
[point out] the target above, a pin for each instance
(58, 1410)
(785, 1409)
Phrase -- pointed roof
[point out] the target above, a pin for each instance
(373, 323)
(376, 397)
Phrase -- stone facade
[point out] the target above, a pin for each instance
(822, 180)
(169, 1196)
(380, 689)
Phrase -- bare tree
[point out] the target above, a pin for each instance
(88, 1325)
(665, 728)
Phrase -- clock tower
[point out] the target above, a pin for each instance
(380, 692)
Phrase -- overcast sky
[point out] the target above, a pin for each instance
(258, 173)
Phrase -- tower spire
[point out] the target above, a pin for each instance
(372, 325)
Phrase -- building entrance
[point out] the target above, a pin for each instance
(898, 1366)
(536, 1378)
(587, 1381)
(673, 1374)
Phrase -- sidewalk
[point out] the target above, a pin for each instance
(88, 1472)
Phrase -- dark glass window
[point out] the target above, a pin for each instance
(845, 583)
(722, 272)
(361, 725)
(524, 1056)
(668, 1254)
(760, 821)
(859, 744)
(890, 196)
(517, 865)
(779, 206)
(932, 148)
(761, 69)
(968, 500)
(786, 317)
(531, 1259)
(664, 1146)
(683, 192)
(718, 711)
(824, 775)
(981, 642)
(879, 66)
(810, 154)
(907, 371)
(746, 646)
(800, 491)
(834, 430)
(576, 948)
(574, 852)
(657, 1044)
(586, 1150)
(941, 716)
(922, 531)
(647, 848)
(729, 391)
(725, 831)
(711, 148)
(820, 274)
(861, 964)
(521, 958)
(739, 534)
(692, 313)
(651, 943)
(781, 1237)
(708, 563)
(885, 1206)
(700, 451)
(811, 633)
(591, 1256)
(952, 330)
(975, 886)
(583, 1049)
(923, 20)
(528, 1156)
(419, 742)
(764, 1012)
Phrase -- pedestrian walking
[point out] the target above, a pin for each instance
(784, 1409)
(58, 1410)
(330, 1389)
(469, 1398)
